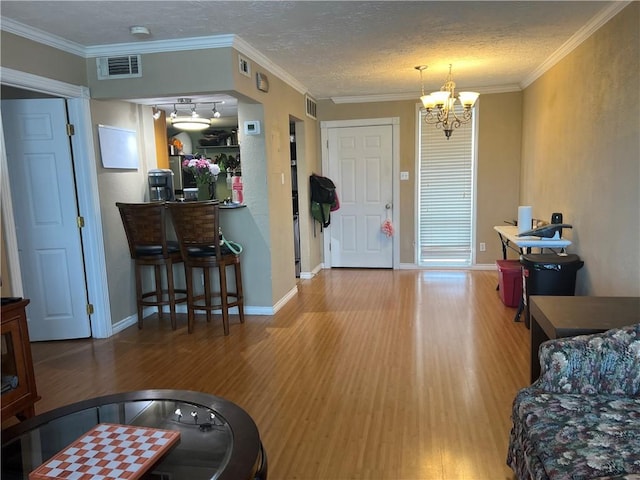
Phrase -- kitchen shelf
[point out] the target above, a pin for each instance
(218, 147)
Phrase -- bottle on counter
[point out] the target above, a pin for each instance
(237, 190)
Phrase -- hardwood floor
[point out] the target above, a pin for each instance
(365, 374)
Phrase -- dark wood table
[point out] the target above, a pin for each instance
(218, 439)
(559, 317)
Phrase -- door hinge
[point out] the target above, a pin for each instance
(80, 221)
(70, 129)
(89, 308)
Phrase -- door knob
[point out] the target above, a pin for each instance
(388, 206)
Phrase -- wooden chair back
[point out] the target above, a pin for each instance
(145, 227)
(197, 227)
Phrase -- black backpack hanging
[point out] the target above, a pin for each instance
(323, 190)
(323, 198)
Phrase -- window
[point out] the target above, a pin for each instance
(446, 192)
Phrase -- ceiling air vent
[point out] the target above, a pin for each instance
(128, 66)
(311, 107)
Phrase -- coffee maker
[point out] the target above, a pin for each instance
(161, 185)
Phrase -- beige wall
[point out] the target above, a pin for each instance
(272, 174)
(498, 170)
(266, 229)
(30, 57)
(118, 185)
(498, 166)
(169, 74)
(580, 155)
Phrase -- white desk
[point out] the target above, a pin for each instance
(509, 235)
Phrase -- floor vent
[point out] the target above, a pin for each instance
(128, 66)
(311, 107)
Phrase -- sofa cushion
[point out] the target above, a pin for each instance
(573, 436)
(604, 363)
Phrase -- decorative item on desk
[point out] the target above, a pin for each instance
(553, 230)
(524, 219)
(205, 173)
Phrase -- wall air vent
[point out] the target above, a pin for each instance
(311, 107)
(127, 66)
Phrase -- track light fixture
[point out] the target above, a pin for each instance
(192, 120)
(216, 113)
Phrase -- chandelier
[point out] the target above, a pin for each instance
(441, 105)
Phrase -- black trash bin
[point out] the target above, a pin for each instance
(549, 274)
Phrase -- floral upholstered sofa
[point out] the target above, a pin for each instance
(581, 419)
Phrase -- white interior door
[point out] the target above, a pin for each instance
(361, 166)
(45, 212)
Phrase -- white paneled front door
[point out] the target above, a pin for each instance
(361, 166)
(45, 212)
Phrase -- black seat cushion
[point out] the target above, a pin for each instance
(207, 251)
(154, 250)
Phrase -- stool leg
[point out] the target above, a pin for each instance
(207, 293)
(171, 293)
(224, 298)
(138, 274)
(190, 312)
(240, 297)
(158, 280)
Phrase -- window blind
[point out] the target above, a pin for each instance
(445, 195)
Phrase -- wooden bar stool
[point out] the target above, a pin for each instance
(145, 227)
(197, 228)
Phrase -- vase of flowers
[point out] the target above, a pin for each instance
(205, 173)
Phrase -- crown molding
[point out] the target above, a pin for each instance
(160, 46)
(40, 36)
(391, 97)
(398, 97)
(154, 46)
(576, 39)
(197, 43)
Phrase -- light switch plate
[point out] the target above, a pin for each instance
(404, 175)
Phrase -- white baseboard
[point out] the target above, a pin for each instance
(312, 273)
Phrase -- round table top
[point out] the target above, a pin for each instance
(218, 439)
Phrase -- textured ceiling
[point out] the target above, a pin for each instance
(342, 48)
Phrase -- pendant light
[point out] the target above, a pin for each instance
(440, 105)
